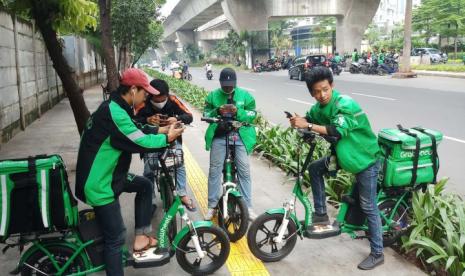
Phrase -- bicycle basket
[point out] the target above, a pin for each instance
(173, 158)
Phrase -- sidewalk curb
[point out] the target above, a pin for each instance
(440, 74)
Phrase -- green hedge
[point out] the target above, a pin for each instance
(440, 67)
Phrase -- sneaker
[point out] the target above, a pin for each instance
(371, 262)
(210, 214)
(252, 214)
(320, 219)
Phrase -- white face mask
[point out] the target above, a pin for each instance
(159, 105)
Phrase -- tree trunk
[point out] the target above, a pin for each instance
(107, 44)
(405, 65)
(74, 92)
(120, 53)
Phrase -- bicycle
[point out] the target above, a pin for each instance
(165, 168)
(233, 212)
(281, 226)
(200, 247)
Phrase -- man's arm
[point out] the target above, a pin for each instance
(247, 113)
(182, 112)
(210, 110)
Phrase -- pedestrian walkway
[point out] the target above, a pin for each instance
(460, 75)
(56, 132)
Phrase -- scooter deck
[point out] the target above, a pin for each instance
(150, 258)
(322, 231)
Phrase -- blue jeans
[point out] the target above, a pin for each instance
(367, 186)
(111, 222)
(367, 183)
(217, 156)
(151, 164)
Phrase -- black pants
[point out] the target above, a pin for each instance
(112, 225)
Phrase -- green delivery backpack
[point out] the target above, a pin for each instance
(35, 196)
(408, 156)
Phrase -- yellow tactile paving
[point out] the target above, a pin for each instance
(241, 261)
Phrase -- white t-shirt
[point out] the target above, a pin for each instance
(208, 67)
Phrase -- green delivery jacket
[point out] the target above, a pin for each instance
(358, 147)
(110, 138)
(245, 104)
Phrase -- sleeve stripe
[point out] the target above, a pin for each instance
(135, 135)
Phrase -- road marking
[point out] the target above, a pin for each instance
(293, 84)
(240, 261)
(250, 89)
(454, 139)
(299, 101)
(272, 124)
(371, 96)
(253, 79)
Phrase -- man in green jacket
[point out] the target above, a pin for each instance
(357, 152)
(239, 102)
(110, 138)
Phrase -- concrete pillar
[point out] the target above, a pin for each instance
(169, 46)
(351, 27)
(207, 45)
(185, 38)
(246, 15)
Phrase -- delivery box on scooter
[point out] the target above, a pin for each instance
(35, 196)
(408, 156)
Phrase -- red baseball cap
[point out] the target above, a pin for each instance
(137, 77)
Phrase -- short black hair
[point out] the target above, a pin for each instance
(123, 89)
(161, 86)
(318, 74)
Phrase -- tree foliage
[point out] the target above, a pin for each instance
(135, 26)
(60, 17)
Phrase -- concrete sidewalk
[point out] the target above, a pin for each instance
(56, 132)
(459, 75)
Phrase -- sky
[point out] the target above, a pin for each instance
(168, 7)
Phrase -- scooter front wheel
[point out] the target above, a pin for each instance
(215, 245)
(262, 233)
(237, 219)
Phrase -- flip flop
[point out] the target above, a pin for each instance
(189, 206)
(151, 244)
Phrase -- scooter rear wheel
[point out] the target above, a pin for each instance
(262, 232)
(39, 263)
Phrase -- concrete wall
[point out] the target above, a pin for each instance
(29, 85)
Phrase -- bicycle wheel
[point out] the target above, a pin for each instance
(213, 241)
(261, 234)
(238, 217)
(39, 263)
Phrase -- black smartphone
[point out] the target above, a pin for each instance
(288, 114)
(179, 125)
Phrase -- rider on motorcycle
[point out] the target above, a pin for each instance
(208, 68)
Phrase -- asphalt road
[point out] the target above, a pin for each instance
(431, 102)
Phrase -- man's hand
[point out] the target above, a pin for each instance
(153, 120)
(228, 108)
(298, 122)
(174, 133)
(171, 120)
(164, 129)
